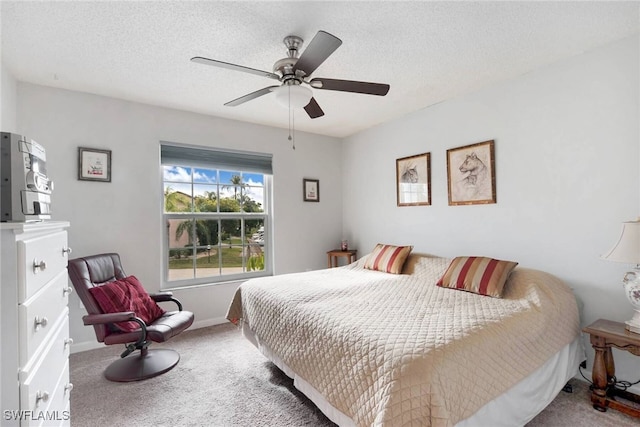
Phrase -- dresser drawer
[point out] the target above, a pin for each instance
(57, 413)
(60, 404)
(39, 380)
(39, 314)
(40, 259)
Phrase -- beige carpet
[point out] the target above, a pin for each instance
(222, 380)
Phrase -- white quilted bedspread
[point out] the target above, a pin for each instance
(396, 350)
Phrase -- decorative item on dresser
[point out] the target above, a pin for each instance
(35, 324)
(627, 250)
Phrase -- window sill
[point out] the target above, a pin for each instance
(208, 284)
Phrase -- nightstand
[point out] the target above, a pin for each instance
(604, 335)
(334, 254)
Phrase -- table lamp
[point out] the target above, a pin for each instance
(627, 250)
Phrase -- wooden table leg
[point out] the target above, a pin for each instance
(609, 364)
(599, 375)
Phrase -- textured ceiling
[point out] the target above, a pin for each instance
(427, 51)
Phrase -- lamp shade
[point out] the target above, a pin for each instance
(627, 249)
(295, 96)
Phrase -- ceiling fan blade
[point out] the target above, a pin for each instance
(250, 96)
(321, 46)
(313, 109)
(367, 88)
(221, 64)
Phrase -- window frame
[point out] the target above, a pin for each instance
(242, 216)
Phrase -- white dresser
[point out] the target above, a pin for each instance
(34, 324)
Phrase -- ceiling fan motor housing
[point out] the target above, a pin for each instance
(285, 66)
(293, 44)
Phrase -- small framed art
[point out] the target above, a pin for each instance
(311, 190)
(471, 174)
(94, 164)
(413, 180)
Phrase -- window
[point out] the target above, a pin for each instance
(216, 215)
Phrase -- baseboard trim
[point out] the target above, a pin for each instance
(85, 346)
(92, 345)
(209, 322)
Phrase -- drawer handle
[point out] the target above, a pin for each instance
(66, 251)
(67, 290)
(40, 322)
(68, 341)
(39, 266)
(42, 395)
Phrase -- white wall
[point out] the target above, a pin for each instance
(124, 216)
(8, 89)
(567, 149)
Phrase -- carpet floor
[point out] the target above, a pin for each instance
(223, 381)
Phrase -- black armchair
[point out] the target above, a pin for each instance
(97, 270)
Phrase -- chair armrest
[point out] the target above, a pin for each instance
(166, 296)
(98, 319)
(125, 316)
(161, 296)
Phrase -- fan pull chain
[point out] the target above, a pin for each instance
(292, 130)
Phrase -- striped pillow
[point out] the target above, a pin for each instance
(126, 295)
(480, 275)
(388, 258)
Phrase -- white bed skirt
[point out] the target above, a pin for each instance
(516, 407)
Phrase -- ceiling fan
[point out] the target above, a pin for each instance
(295, 70)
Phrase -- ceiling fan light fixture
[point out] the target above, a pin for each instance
(295, 96)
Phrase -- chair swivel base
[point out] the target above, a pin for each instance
(143, 365)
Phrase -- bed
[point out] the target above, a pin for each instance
(371, 348)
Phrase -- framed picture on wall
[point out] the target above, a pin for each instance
(94, 164)
(311, 190)
(413, 180)
(471, 174)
